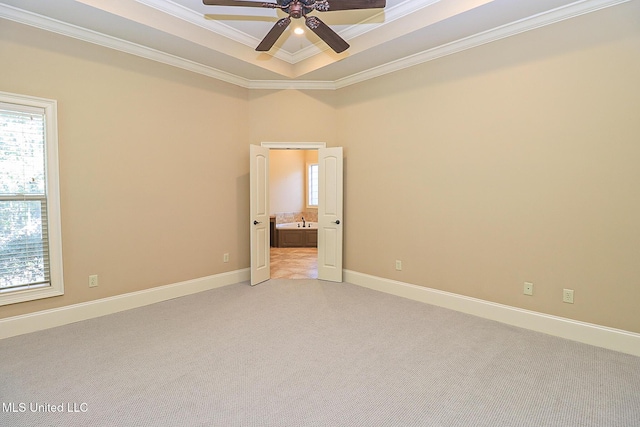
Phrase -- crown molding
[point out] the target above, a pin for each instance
(185, 14)
(73, 31)
(390, 14)
(508, 30)
(537, 21)
(291, 84)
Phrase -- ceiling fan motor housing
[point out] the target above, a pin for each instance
(298, 8)
(294, 10)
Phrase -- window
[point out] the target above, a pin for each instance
(30, 238)
(312, 189)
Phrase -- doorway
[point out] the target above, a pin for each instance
(294, 263)
(329, 220)
(293, 205)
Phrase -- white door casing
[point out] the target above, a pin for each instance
(330, 206)
(259, 218)
(330, 210)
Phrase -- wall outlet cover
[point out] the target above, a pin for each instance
(567, 296)
(93, 280)
(528, 288)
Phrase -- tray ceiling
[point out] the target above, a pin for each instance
(220, 41)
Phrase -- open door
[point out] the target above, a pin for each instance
(330, 214)
(259, 219)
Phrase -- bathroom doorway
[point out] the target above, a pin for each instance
(293, 202)
(294, 263)
(329, 212)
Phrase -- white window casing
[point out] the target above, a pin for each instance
(312, 185)
(30, 226)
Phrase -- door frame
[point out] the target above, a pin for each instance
(294, 145)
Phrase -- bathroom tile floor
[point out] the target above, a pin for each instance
(294, 263)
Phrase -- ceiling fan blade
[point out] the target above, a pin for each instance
(239, 3)
(273, 35)
(350, 4)
(329, 36)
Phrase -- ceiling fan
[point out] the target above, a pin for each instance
(300, 8)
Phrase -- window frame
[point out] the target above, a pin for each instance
(308, 186)
(56, 282)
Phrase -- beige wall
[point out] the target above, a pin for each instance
(292, 116)
(286, 181)
(153, 165)
(516, 161)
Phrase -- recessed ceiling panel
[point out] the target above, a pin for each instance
(220, 41)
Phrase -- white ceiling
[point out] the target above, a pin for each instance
(220, 41)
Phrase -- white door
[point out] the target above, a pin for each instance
(330, 214)
(259, 208)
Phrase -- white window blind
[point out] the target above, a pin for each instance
(24, 253)
(30, 244)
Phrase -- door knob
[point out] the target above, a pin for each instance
(337, 221)
(257, 222)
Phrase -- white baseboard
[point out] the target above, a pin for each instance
(18, 325)
(587, 333)
(601, 336)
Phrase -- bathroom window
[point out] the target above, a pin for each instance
(312, 188)
(30, 241)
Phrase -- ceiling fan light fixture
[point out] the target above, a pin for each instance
(296, 9)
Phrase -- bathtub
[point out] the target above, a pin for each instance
(293, 235)
(296, 225)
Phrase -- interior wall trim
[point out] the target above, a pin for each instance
(294, 145)
(553, 16)
(511, 29)
(586, 333)
(104, 40)
(32, 322)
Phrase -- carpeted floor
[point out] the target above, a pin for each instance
(309, 353)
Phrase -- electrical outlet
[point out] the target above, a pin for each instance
(398, 265)
(528, 288)
(93, 281)
(225, 257)
(567, 296)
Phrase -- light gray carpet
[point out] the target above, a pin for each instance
(310, 353)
